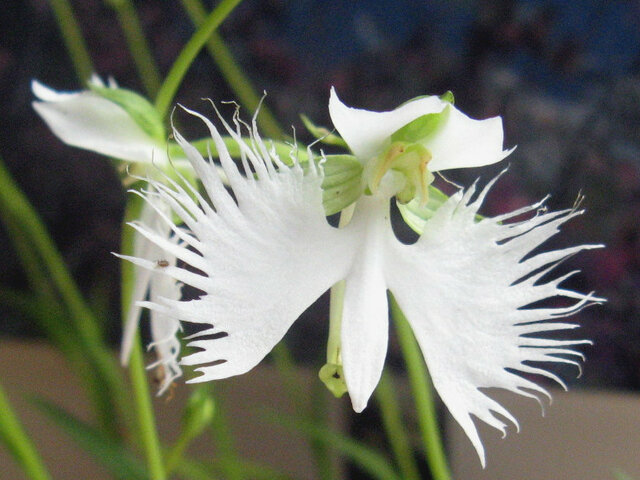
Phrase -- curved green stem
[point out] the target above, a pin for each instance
(144, 412)
(189, 53)
(138, 46)
(147, 431)
(73, 39)
(233, 74)
(18, 443)
(395, 430)
(422, 394)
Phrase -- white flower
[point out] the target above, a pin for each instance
(266, 253)
(89, 120)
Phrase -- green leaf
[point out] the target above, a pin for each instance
(416, 215)
(16, 440)
(366, 458)
(113, 455)
(342, 184)
(138, 107)
(323, 134)
(420, 129)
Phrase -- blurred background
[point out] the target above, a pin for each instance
(564, 76)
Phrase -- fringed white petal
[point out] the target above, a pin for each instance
(467, 293)
(86, 120)
(262, 258)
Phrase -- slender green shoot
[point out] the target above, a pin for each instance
(138, 46)
(395, 429)
(189, 52)
(145, 418)
(73, 39)
(422, 394)
(18, 443)
(233, 74)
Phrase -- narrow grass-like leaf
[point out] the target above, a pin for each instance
(366, 458)
(111, 454)
(18, 443)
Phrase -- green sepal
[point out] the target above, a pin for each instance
(138, 107)
(323, 134)
(342, 184)
(422, 128)
(416, 215)
(333, 378)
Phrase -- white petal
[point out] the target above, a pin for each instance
(264, 260)
(365, 318)
(462, 142)
(368, 132)
(87, 120)
(461, 288)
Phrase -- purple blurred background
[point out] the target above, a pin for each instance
(565, 77)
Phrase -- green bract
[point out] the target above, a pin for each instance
(138, 107)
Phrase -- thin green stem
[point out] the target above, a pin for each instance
(233, 74)
(422, 394)
(224, 442)
(138, 46)
(189, 52)
(18, 443)
(147, 431)
(395, 429)
(73, 39)
(145, 418)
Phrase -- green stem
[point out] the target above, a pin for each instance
(144, 413)
(233, 74)
(138, 46)
(224, 442)
(189, 53)
(395, 429)
(18, 443)
(422, 394)
(336, 303)
(73, 39)
(147, 431)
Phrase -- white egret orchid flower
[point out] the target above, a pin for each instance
(264, 254)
